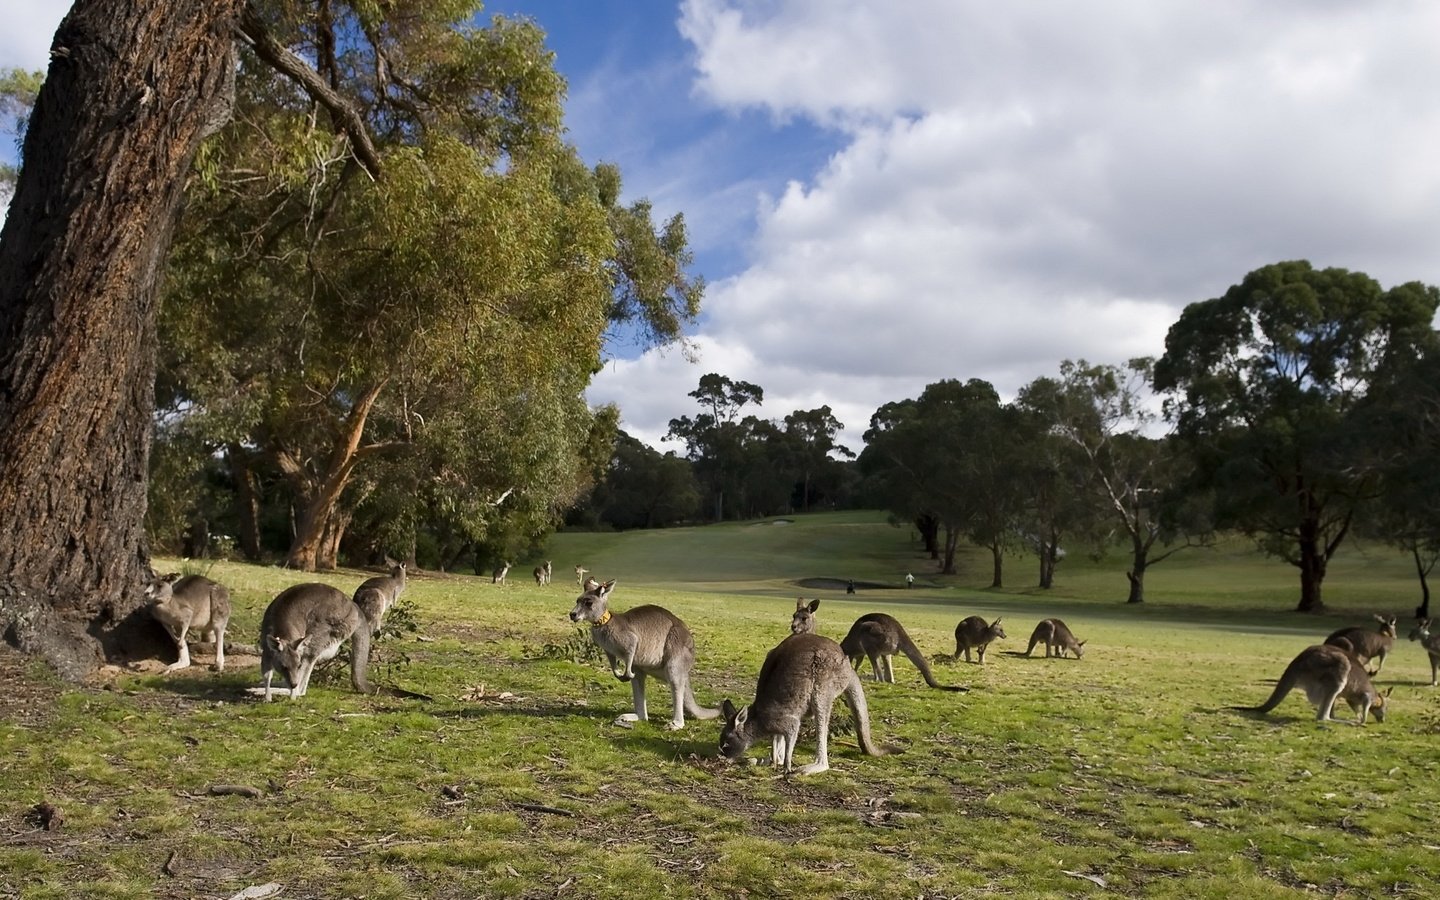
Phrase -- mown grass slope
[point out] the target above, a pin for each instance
(507, 776)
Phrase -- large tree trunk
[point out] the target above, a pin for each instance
(1421, 571)
(929, 528)
(997, 560)
(133, 88)
(1312, 564)
(1140, 561)
(247, 501)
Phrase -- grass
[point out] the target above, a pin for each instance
(513, 781)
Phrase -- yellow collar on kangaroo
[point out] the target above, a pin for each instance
(605, 617)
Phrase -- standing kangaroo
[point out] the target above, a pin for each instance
(1431, 642)
(1325, 673)
(580, 573)
(376, 595)
(1368, 643)
(800, 678)
(1058, 639)
(803, 621)
(498, 576)
(193, 602)
(646, 640)
(879, 637)
(542, 574)
(305, 625)
(973, 632)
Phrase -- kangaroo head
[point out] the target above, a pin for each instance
(996, 630)
(1379, 704)
(161, 589)
(1080, 650)
(1387, 624)
(733, 738)
(803, 621)
(591, 606)
(398, 571)
(1421, 631)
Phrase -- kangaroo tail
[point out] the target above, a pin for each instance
(1284, 686)
(918, 658)
(695, 710)
(360, 657)
(855, 699)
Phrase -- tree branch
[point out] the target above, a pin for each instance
(252, 29)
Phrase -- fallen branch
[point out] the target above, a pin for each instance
(242, 790)
(542, 808)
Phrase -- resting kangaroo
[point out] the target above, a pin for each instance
(542, 573)
(376, 595)
(305, 625)
(879, 637)
(1369, 643)
(498, 576)
(646, 640)
(799, 678)
(1058, 639)
(1431, 643)
(973, 632)
(193, 602)
(1325, 673)
(803, 621)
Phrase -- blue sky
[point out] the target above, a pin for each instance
(885, 193)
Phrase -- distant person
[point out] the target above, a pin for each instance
(909, 580)
(850, 586)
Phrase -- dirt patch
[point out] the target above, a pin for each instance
(30, 691)
(839, 584)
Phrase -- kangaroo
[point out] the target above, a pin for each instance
(590, 585)
(973, 632)
(542, 573)
(1326, 673)
(803, 621)
(1431, 642)
(376, 595)
(1369, 644)
(192, 602)
(580, 579)
(799, 678)
(879, 637)
(305, 625)
(498, 576)
(1058, 639)
(648, 640)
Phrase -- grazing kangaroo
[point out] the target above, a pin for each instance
(376, 595)
(1058, 639)
(800, 678)
(305, 625)
(1326, 673)
(542, 573)
(646, 640)
(973, 632)
(879, 637)
(1369, 643)
(1431, 642)
(191, 603)
(498, 576)
(803, 621)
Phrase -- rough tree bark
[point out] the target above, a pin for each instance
(133, 87)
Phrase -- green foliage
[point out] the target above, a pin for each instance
(18, 90)
(577, 647)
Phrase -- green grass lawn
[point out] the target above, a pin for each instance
(509, 778)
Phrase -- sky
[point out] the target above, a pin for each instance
(882, 194)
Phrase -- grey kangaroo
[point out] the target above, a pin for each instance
(1326, 673)
(1057, 638)
(646, 640)
(973, 632)
(1368, 643)
(879, 637)
(498, 576)
(193, 603)
(542, 573)
(305, 625)
(376, 595)
(799, 679)
(1431, 642)
(803, 621)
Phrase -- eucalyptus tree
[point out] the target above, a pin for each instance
(810, 438)
(1130, 477)
(1264, 383)
(443, 321)
(718, 440)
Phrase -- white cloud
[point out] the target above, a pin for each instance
(29, 27)
(1023, 183)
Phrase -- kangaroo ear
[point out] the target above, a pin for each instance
(799, 603)
(814, 605)
(1081, 644)
(606, 588)
(727, 709)
(1388, 691)
(997, 619)
(742, 716)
